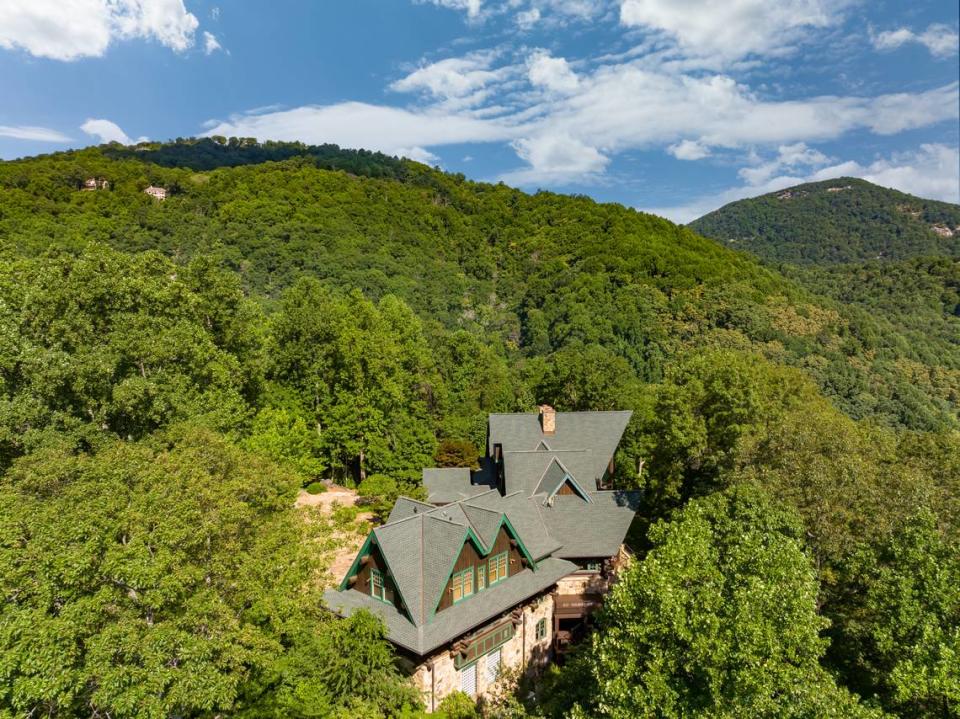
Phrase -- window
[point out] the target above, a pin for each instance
(468, 680)
(481, 577)
(378, 587)
(461, 584)
(493, 666)
(497, 567)
(541, 629)
(594, 566)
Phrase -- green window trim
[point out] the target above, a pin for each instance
(378, 586)
(541, 629)
(498, 568)
(464, 582)
(481, 576)
(484, 644)
(594, 566)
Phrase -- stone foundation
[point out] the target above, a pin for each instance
(438, 677)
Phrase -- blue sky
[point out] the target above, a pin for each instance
(672, 106)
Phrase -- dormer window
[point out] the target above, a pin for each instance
(378, 587)
(461, 584)
(498, 567)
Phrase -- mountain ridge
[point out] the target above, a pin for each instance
(835, 221)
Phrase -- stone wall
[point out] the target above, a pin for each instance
(438, 672)
(583, 583)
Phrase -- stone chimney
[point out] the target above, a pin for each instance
(548, 419)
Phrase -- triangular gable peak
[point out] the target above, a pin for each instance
(557, 479)
(543, 447)
(360, 575)
(473, 551)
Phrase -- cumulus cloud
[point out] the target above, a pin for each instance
(553, 73)
(942, 41)
(789, 157)
(210, 43)
(85, 28)
(452, 78)
(689, 150)
(556, 158)
(731, 29)
(929, 171)
(106, 131)
(30, 132)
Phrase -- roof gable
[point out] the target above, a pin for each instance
(597, 432)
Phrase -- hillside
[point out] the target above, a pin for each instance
(533, 274)
(835, 221)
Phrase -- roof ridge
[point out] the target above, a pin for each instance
(482, 509)
(420, 615)
(431, 515)
(399, 521)
(541, 451)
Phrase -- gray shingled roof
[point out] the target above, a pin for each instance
(585, 530)
(405, 507)
(524, 518)
(446, 485)
(460, 618)
(599, 432)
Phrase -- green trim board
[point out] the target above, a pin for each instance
(484, 644)
(354, 568)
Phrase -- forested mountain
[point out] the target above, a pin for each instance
(841, 220)
(533, 274)
(889, 254)
(171, 372)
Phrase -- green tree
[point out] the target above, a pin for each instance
(364, 372)
(907, 629)
(719, 619)
(157, 579)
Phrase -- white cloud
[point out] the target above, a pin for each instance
(689, 150)
(455, 77)
(210, 43)
(731, 29)
(357, 124)
(71, 29)
(930, 171)
(556, 158)
(29, 132)
(788, 157)
(941, 40)
(472, 7)
(553, 73)
(527, 18)
(418, 154)
(106, 130)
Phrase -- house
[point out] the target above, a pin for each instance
(158, 193)
(502, 567)
(95, 183)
